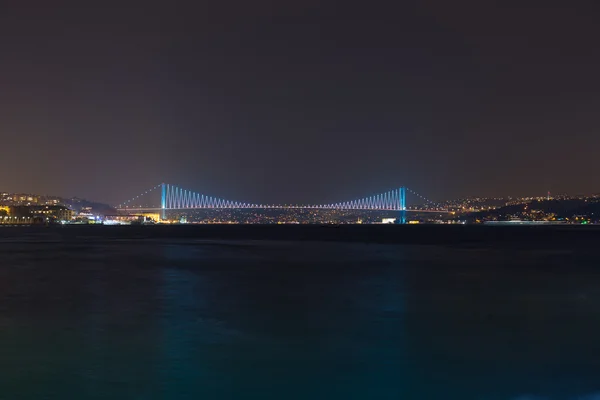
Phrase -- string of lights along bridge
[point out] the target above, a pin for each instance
(175, 198)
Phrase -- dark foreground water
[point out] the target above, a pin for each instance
(100, 317)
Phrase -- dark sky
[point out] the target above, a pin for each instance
(313, 101)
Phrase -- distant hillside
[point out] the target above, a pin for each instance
(541, 210)
(78, 204)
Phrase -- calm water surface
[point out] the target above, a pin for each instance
(94, 318)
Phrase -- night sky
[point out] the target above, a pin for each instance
(313, 101)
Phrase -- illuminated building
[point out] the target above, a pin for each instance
(51, 213)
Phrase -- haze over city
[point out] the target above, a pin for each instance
(282, 102)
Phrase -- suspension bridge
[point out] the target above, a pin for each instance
(173, 197)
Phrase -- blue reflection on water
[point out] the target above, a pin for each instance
(184, 319)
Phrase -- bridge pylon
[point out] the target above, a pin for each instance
(163, 200)
(402, 206)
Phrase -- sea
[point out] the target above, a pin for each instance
(135, 313)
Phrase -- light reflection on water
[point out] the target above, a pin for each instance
(182, 319)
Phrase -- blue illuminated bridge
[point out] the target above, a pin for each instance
(175, 198)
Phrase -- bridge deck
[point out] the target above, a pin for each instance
(278, 208)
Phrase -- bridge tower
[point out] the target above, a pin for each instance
(163, 200)
(402, 206)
